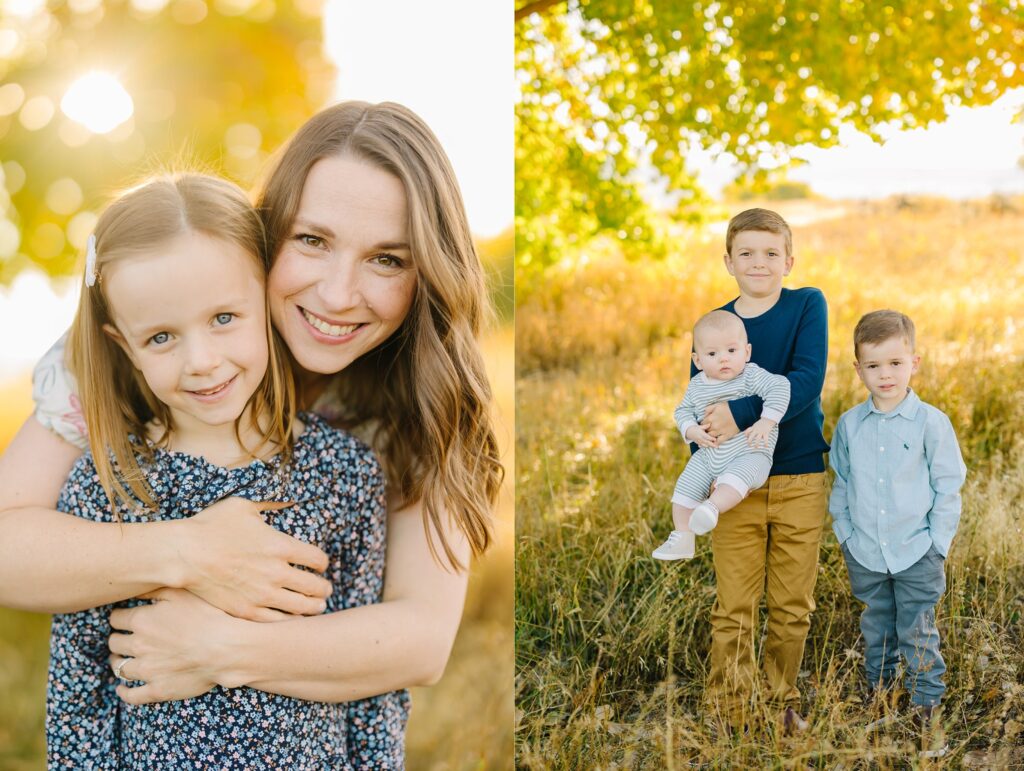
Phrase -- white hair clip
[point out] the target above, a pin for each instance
(90, 261)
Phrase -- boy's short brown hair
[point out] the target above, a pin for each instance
(877, 326)
(759, 219)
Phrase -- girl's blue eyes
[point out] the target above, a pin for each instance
(221, 319)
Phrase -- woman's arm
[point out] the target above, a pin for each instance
(183, 647)
(53, 562)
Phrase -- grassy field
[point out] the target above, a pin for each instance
(611, 646)
(463, 722)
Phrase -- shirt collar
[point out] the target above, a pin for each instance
(905, 409)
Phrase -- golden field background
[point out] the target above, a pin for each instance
(463, 722)
(611, 646)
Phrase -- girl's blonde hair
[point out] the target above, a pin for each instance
(116, 400)
(423, 395)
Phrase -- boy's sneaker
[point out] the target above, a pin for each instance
(678, 546)
(927, 720)
(704, 518)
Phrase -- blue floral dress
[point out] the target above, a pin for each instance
(340, 507)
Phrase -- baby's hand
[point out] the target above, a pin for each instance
(701, 437)
(757, 434)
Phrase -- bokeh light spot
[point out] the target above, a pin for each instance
(243, 140)
(64, 196)
(23, 9)
(11, 98)
(234, 7)
(47, 241)
(97, 101)
(149, 6)
(10, 239)
(9, 42)
(79, 228)
(84, 6)
(189, 11)
(37, 112)
(14, 176)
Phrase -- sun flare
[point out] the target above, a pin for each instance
(97, 101)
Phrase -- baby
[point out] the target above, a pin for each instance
(732, 469)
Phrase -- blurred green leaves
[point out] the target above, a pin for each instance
(217, 85)
(614, 96)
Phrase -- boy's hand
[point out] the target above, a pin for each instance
(719, 423)
(701, 437)
(757, 434)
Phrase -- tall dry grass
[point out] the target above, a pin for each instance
(612, 646)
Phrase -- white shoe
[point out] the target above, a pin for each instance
(704, 518)
(678, 546)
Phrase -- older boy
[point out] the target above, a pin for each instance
(771, 538)
(895, 506)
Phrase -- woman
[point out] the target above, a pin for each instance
(377, 291)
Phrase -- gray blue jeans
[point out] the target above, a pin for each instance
(900, 620)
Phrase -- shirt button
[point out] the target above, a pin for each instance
(883, 511)
(881, 449)
(884, 543)
(881, 481)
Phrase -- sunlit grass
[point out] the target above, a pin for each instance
(612, 646)
(463, 722)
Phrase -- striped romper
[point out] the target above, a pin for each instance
(735, 463)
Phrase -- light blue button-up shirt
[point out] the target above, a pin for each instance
(897, 485)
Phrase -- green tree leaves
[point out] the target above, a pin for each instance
(611, 90)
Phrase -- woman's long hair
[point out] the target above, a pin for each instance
(116, 400)
(422, 396)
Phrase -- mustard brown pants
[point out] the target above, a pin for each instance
(766, 546)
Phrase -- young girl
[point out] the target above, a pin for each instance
(188, 400)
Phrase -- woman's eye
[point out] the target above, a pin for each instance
(308, 240)
(224, 318)
(159, 338)
(388, 261)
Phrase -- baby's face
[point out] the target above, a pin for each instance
(721, 353)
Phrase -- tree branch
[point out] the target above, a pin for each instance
(536, 6)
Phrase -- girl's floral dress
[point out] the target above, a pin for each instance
(339, 492)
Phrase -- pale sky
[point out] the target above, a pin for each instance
(973, 153)
(451, 62)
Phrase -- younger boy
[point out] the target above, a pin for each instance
(719, 476)
(895, 506)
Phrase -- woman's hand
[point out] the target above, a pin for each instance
(171, 646)
(719, 422)
(235, 561)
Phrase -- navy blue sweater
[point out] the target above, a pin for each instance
(791, 339)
